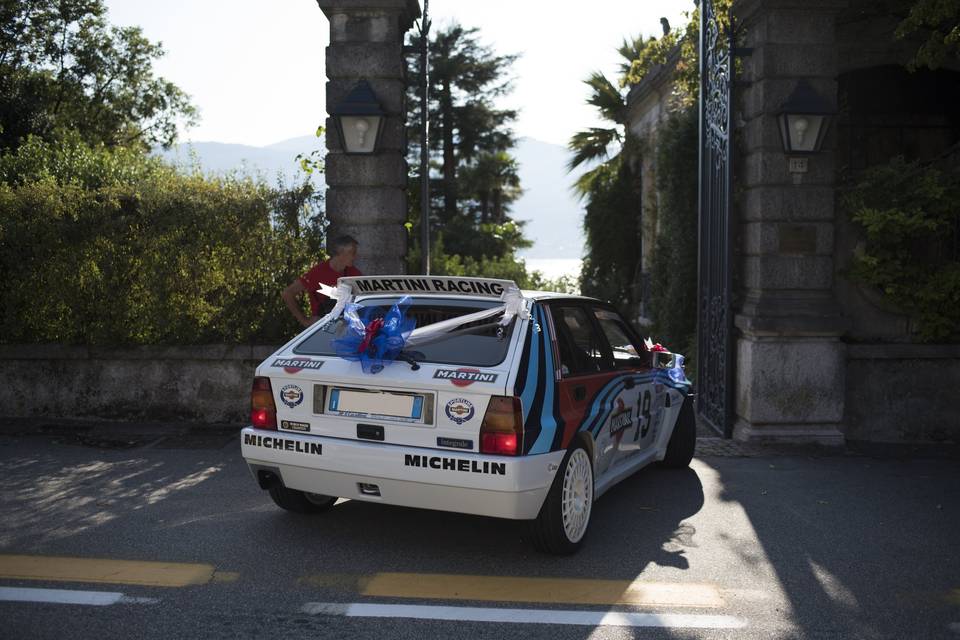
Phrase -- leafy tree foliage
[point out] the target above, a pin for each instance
(931, 26)
(466, 77)
(678, 47)
(673, 286)
(601, 145)
(937, 22)
(101, 243)
(63, 67)
(612, 194)
(611, 222)
(476, 179)
(610, 189)
(909, 215)
(112, 246)
(493, 183)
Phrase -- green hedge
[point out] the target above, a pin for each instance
(101, 246)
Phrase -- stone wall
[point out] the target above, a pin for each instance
(789, 355)
(208, 383)
(903, 393)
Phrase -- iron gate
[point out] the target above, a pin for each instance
(715, 322)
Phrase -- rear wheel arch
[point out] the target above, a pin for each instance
(562, 523)
(683, 440)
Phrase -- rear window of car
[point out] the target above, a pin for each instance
(481, 344)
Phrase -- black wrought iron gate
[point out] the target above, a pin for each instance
(715, 322)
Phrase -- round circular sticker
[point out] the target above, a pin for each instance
(459, 410)
(291, 395)
(459, 382)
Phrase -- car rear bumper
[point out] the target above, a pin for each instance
(497, 486)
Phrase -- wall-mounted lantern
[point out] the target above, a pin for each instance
(803, 120)
(359, 119)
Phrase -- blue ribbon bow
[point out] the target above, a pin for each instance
(374, 339)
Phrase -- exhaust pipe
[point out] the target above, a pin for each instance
(268, 479)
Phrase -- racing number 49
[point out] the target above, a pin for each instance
(643, 409)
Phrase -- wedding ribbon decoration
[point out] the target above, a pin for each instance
(341, 293)
(648, 343)
(373, 340)
(513, 305)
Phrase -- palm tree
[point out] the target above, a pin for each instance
(493, 182)
(605, 144)
(611, 187)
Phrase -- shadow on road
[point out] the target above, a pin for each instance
(861, 548)
(638, 523)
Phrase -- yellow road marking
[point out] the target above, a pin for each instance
(154, 574)
(515, 589)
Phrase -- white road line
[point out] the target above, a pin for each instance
(954, 626)
(69, 596)
(528, 616)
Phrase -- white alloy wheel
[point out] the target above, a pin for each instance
(577, 495)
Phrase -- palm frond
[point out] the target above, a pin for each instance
(594, 179)
(592, 144)
(606, 97)
(630, 50)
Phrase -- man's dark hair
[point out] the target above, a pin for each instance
(338, 244)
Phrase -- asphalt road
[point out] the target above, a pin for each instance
(768, 547)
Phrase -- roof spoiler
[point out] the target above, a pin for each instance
(413, 285)
(504, 290)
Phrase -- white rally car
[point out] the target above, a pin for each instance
(499, 403)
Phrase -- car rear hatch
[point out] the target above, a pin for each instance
(438, 402)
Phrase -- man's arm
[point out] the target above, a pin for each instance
(290, 295)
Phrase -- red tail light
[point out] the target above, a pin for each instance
(263, 411)
(502, 430)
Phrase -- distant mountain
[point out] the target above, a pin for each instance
(554, 216)
(271, 161)
(300, 144)
(553, 213)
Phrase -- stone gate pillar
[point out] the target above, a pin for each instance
(790, 375)
(366, 194)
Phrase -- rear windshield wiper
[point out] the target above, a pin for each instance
(410, 357)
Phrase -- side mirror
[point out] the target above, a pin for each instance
(662, 360)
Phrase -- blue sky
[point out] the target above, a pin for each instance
(255, 67)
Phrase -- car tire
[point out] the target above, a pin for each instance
(561, 527)
(683, 440)
(300, 501)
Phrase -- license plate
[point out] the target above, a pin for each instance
(405, 407)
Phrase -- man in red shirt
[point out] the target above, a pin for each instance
(343, 250)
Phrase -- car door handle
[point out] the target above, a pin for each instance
(629, 383)
(579, 393)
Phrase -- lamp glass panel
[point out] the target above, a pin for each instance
(804, 131)
(360, 133)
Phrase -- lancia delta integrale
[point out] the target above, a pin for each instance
(466, 395)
